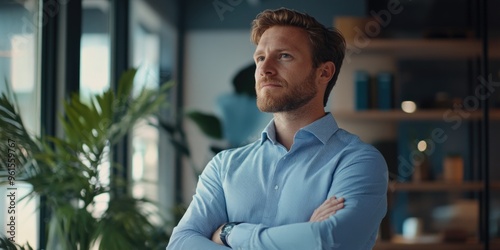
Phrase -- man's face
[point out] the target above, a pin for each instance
(284, 77)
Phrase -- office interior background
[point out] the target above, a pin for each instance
(420, 81)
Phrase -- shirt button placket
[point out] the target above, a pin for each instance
(274, 194)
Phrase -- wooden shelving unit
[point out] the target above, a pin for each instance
(431, 246)
(398, 115)
(425, 48)
(460, 49)
(441, 186)
(389, 51)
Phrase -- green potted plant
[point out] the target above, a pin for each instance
(66, 170)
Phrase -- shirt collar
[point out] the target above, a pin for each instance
(317, 128)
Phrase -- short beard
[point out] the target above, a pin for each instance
(297, 97)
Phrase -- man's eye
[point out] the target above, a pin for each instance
(259, 59)
(285, 56)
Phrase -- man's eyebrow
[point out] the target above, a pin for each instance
(278, 50)
(284, 49)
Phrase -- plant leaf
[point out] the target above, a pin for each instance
(126, 84)
(209, 124)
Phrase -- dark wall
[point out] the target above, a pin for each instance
(238, 14)
(430, 14)
(169, 9)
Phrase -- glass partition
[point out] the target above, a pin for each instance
(20, 30)
(145, 51)
(95, 69)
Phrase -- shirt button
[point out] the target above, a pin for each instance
(276, 187)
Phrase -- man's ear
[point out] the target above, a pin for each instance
(327, 71)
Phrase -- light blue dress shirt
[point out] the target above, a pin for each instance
(274, 192)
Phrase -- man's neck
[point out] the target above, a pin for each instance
(288, 123)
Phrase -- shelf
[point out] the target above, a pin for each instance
(433, 186)
(398, 115)
(495, 185)
(425, 48)
(441, 246)
(398, 243)
(436, 186)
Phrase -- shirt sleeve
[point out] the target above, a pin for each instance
(204, 215)
(362, 181)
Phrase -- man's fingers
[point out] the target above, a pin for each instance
(216, 235)
(328, 208)
(331, 210)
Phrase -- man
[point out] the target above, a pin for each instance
(279, 192)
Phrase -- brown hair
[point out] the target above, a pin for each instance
(327, 44)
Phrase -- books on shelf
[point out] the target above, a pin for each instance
(374, 92)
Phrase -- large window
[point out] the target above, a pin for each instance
(95, 48)
(151, 49)
(95, 69)
(153, 42)
(145, 53)
(20, 29)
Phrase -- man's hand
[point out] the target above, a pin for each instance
(216, 235)
(329, 207)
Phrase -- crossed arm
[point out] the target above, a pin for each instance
(363, 183)
(325, 210)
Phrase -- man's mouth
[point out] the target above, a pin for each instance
(271, 83)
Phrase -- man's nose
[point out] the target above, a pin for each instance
(267, 67)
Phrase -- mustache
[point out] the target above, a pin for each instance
(267, 79)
